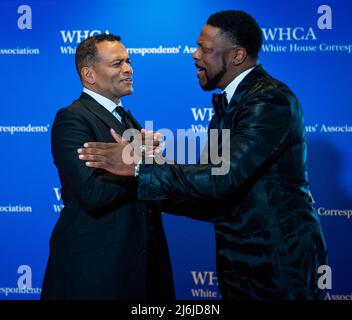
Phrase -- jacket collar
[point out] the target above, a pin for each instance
(102, 113)
(247, 83)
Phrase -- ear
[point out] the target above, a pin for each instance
(240, 55)
(88, 75)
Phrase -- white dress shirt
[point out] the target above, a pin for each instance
(105, 102)
(232, 86)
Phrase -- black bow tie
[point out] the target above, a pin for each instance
(219, 103)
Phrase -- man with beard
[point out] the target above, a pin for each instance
(269, 242)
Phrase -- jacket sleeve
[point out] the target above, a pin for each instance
(204, 210)
(93, 188)
(259, 135)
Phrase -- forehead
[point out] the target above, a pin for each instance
(209, 34)
(111, 49)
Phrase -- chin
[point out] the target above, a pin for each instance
(129, 92)
(207, 87)
(203, 85)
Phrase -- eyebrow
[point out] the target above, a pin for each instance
(120, 58)
(202, 42)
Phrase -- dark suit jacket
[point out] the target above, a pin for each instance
(105, 244)
(268, 236)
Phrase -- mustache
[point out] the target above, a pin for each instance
(199, 67)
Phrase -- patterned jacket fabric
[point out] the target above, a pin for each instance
(269, 242)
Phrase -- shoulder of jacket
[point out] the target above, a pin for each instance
(270, 87)
(76, 107)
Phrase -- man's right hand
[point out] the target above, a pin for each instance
(121, 157)
(117, 158)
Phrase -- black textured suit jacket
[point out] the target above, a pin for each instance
(105, 244)
(268, 237)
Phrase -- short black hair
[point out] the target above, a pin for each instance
(240, 28)
(86, 52)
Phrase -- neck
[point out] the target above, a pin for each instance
(246, 67)
(236, 71)
(96, 90)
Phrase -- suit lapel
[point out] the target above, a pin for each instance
(99, 111)
(134, 123)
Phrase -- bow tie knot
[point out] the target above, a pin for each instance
(219, 103)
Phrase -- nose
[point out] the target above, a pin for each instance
(196, 54)
(127, 68)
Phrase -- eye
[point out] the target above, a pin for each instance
(206, 50)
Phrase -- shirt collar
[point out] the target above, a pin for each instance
(105, 102)
(232, 86)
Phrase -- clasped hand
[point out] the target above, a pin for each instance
(121, 157)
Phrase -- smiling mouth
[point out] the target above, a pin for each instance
(127, 81)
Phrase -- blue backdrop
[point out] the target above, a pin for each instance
(304, 46)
